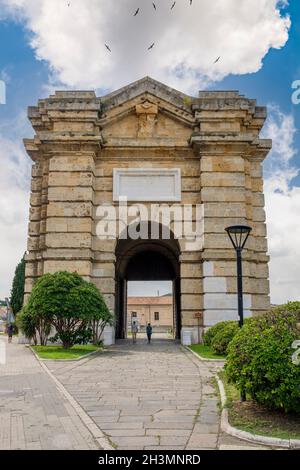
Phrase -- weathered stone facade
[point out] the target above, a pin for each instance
(212, 139)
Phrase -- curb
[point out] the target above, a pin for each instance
(247, 436)
(204, 359)
(96, 432)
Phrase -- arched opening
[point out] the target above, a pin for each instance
(146, 260)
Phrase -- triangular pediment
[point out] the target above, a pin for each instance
(147, 110)
(150, 86)
(148, 90)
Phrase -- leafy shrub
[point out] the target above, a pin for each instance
(213, 331)
(259, 359)
(82, 335)
(223, 337)
(72, 305)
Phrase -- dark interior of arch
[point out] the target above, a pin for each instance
(149, 266)
(146, 260)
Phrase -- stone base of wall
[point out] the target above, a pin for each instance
(190, 335)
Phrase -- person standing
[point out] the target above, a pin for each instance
(149, 332)
(134, 330)
(10, 331)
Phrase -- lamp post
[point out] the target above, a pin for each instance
(238, 235)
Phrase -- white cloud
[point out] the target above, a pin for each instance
(14, 201)
(187, 39)
(283, 208)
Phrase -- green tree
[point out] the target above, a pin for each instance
(17, 291)
(260, 361)
(70, 304)
(34, 325)
(101, 318)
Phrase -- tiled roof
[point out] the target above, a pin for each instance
(164, 300)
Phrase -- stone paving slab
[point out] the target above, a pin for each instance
(157, 397)
(153, 398)
(33, 413)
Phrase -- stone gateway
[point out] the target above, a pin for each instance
(143, 145)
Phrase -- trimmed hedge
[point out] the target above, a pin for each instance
(214, 330)
(259, 359)
(223, 337)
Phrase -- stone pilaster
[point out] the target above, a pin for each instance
(68, 239)
(64, 150)
(231, 188)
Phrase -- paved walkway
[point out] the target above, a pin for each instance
(33, 413)
(150, 397)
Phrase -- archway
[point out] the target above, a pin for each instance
(147, 260)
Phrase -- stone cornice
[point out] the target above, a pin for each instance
(214, 144)
(74, 119)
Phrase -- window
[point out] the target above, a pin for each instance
(133, 314)
(156, 316)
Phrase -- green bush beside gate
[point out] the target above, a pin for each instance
(260, 362)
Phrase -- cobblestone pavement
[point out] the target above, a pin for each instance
(33, 413)
(142, 396)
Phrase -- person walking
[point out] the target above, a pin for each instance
(149, 332)
(10, 331)
(134, 330)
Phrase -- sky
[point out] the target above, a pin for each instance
(60, 44)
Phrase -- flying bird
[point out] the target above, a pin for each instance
(154, 6)
(108, 48)
(136, 12)
(217, 60)
(173, 5)
(151, 47)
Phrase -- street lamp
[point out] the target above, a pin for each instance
(238, 235)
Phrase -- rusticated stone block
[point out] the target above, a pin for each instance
(70, 194)
(70, 209)
(221, 180)
(258, 199)
(191, 286)
(101, 270)
(105, 285)
(191, 270)
(68, 240)
(257, 185)
(223, 209)
(191, 301)
(222, 163)
(61, 224)
(31, 269)
(71, 179)
(35, 213)
(222, 195)
(33, 243)
(72, 162)
(260, 302)
(29, 284)
(35, 199)
(83, 268)
(259, 214)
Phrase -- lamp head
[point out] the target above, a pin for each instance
(238, 235)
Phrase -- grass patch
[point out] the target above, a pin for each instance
(205, 351)
(254, 418)
(58, 352)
